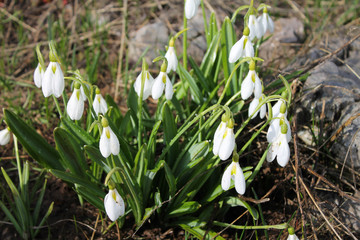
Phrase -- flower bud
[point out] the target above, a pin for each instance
(283, 108)
(246, 31)
(252, 65)
(104, 122)
(284, 128)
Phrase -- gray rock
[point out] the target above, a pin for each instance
(335, 85)
(154, 36)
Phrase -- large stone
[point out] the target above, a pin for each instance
(153, 36)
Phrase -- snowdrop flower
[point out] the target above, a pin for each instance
(171, 57)
(292, 235)
(256, 29)
(53, 80)
(109, 143)
(191, 8)
(280, 147)
(149, 80)
(275, 125)
(99, 103)
(253, 106)
(276, 107)
(224, 138)
(38, 75)
(251, 83)
(235, 173)
(266, 22)
(4, 136)
(162, 81)
(114, 204)
(242, 48)
(75, 106)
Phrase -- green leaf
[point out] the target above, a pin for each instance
(115, 114)
(228, 39)
(34, 144)
(70, 152)
(140, 164)
(151, 147)
(236, 202)
(81, 135)
(208, 61)
(170, 131)
(95, 155)
(170, 179)
(185, 208)
(194, 88)
(11, 218)
(200, 76)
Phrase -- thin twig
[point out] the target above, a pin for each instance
(15, 19)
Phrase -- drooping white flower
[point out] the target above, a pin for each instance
(75, 106)
(251, 83)
(292, 235)
(114, 204)
(162, 81)
(4, 136)
(99, 103)
(266, 22)
(224, 139)
(256, 29)
(253, 105)
(109, 143)
(280, 147)
(276, 107)
(191, 8)
(38, 75)
(275, 125)
(242, 48)
(149, 80)
(235, 173)
(171, 57)
(53, 80)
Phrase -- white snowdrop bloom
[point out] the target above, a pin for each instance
(253, 105)
(280, 148)
(149, 80)
(38, 75)
(109, 142)
(53, 80)
(191, 8)
(266, 22)
(4, 136)
(114, 204)
(99, 103)
(256, 29)
(292, 235)
(162, 81)
(276, 108)
(242, 48)
(251, 83)
(171, 57)
(235, 173)
(275, 125)
(224, 140)
(75, 106)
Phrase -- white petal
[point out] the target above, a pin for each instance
(218, 137)
(83, 95)
(158, 86)
(58, 82)
(270, 23)
(75, 107)
(104, 144)
(226, 178)
(251, 25)
(237, 50)
(240, 185)
(114, 143)
(259, 30)
(169, 91)
(254, 103)
(47, 85)
(190, 8)
(283, 153)
(276, 108)
(274, 130)
(147, 85)
(4, 136)
(292, 237)
(172, 60)
(247, 86)
(288, 134)
(257, 87)
(96, 104)
(38, 75)
(227, 144)
(249, 49)
(263, 111)
(103, 105)
(270, 156)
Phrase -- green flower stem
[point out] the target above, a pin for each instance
(140, 101)
(183, 130)
(228, 82)
(205, 21)
(278, 226)
(233, 98)
(58, 106)
(18, 163)
(261, 214)
(185, 42)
